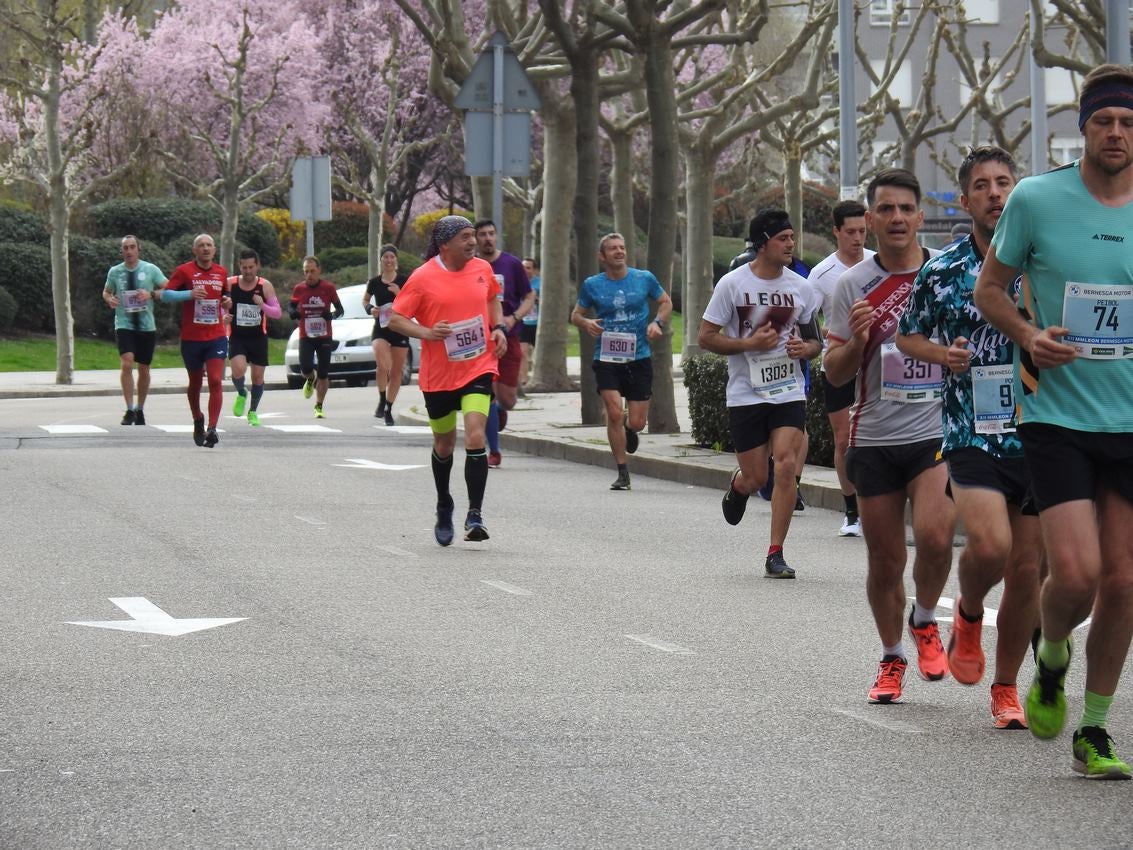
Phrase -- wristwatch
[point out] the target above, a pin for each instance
(659, 324)
(500, 327)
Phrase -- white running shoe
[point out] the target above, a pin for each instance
(850, 529)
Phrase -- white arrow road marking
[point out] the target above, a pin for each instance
(304, 429)
(990, 614)
(506, 588)
(148, 618)
(403, 429)
(362, 463)
(663, 645)
(73, 429)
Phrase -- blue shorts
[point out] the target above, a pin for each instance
(195, 353)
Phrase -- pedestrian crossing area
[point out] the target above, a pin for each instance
(85, 430)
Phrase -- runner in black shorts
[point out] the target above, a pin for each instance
(390, 347)
(253, 303)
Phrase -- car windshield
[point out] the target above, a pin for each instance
(351, 298)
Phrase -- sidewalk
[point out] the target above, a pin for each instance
(543, 424)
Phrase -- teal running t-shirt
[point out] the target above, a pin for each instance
(130, 316)
(1077, 259)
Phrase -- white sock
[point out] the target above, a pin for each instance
(923, 616)
(897, 649)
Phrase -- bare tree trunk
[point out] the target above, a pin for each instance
(699, 174)
(793, 188)
(660, 87)
(621, 189)
(61, 286)
(559, 290)
(377, 206)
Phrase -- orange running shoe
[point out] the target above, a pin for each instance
(1005, 707)
(890, 676)
(932, 663)
(965, 651)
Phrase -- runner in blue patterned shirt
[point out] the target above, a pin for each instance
(988, 477)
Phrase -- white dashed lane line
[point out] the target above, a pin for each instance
(663, 645)
(515, 590)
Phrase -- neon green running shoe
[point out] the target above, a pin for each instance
(319, 412)
(240, 405)
(1094, 757)
(1046, 700)
(253, 419)
(308, 388)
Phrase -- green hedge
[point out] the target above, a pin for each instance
(162, 220)
(31, 288)
(333, 259)
(706, 379)
(8, 308)
(349, 227)
(19, 225)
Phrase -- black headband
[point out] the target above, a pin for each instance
(1113, 93)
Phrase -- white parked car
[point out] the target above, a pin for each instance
(353, 360)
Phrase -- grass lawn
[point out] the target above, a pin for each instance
(37, 354)
(676, 323)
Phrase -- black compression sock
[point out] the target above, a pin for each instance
(476, 477)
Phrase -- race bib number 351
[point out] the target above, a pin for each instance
(907, 380)
(1100, 320)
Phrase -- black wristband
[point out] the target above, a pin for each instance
(500, 327)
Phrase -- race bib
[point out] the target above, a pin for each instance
(248, 315)
(316, 326)
(993, 399)
(617, 347)
(383, 315)
(206, 312)
(132, 300)
(1100, 320)
(906, 380)
(773, 375)
(532, 318)
(467, 339)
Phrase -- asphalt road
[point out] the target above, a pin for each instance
(609, 670)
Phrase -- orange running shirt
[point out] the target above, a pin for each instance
(435, 294)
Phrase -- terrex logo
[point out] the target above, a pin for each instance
(1109, 237)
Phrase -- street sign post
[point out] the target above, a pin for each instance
(310, 193)
(498, 98)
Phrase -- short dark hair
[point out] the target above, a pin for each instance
(979, 155)
(532, 260)
(249, 254)
(311, 258)
(846, 209)
(902, 178)
(1103, 74)
(484, 222)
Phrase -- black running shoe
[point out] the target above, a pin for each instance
(389, 417)
(139, 417)
(800, 503)
(776, 567)
(622, 482)
(211, 439)
(443, 529)
(632, 440)
(199, 430)
(733, 504)
(379, 411)
(474, 528)
(128, 417)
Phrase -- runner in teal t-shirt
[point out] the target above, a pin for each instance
(1070, 233)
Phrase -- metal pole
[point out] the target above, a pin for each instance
(498, 137)
(311, 209)
(1117, 31)
(1039, 155)
(847, 123)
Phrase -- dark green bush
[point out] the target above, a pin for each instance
(162, 220)
(333, 259)
(706, 378)
(349, 227)
(8, 308)
(348, 276)
(90, 260)
(19, 225)
(31, 286)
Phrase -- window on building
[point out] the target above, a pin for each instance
(901, 87)
(982, 11)
(1059, 86)
(1064, 149)
(881, 13)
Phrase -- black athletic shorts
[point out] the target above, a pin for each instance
(1068, 465)
(752, 424)
(527, 333)
(440, 404)
(254, 348)
(633, 380)
(311, 350)
(877, 470)
(395, 339)
(837, 398)
(972, 467)
(138, 343)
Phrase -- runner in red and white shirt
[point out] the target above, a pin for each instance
(202, 288)
(455, 299)
(895, 433)
(314, 304)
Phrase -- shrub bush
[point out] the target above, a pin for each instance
(333, 259)
(291, 235)
(349, 227)
(706, 378)
(31, 288)
(8, 308)
(20, 225)
(161, 220)
(349, 276)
